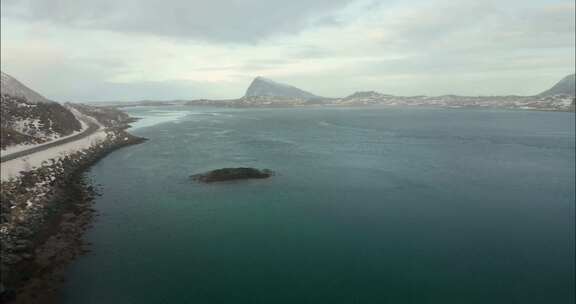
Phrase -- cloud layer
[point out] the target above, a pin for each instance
(245, 21)
(106, 50)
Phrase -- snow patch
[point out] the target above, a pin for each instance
(23, 147)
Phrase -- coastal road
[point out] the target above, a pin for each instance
(92, 128)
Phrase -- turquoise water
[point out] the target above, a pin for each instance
(369, 205)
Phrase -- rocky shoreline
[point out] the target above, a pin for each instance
(44, 216)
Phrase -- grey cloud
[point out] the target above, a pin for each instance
(470, 24)
(312, 52)
(162, 90)
(90, 88)
(555, 18)
(457, 64)
(431, 25)
(88, 82)
(215, 20)
(451, 46)
(436, 73)
(259, 65)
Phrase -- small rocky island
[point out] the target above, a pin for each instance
(230, 174)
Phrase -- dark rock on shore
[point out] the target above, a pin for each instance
(229, 174)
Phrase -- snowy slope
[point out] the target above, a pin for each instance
(26, 146)
(11, 86)
(27, 118)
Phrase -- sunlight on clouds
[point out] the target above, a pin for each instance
(401, 47)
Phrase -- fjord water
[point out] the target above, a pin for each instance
(369, 205)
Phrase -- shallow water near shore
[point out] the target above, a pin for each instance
(368, 205)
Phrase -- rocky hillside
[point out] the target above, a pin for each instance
(566, 86)
(109, 117)
(27, 117)
(261, 87)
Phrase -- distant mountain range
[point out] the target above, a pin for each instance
(263, 87)
(27, 117)
(566, 86)
(23, 121)
(264, 92)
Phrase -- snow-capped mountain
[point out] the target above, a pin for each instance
(12, 87)
(29, 118)
(566, 86)
(261, 87)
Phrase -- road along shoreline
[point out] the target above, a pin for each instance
(45, 212)
(92, 128)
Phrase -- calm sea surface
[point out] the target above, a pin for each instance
(369, 205)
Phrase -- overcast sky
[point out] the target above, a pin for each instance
(86, 50)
